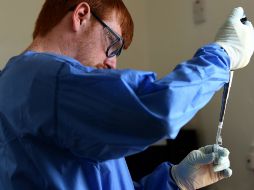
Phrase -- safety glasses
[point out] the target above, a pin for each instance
(116, 41)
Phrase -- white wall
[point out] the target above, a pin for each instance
(136, 56)
(164, 36)
(17, 20)
(172, 38)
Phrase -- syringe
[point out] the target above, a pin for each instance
(225, 96)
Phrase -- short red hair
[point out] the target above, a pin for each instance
(53, 12)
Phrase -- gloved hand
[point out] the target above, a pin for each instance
(197, 169)
(237, 39)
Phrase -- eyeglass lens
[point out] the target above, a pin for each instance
(115, 43)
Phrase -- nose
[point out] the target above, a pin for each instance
(110, 62)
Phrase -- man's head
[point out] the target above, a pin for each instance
(92, 25)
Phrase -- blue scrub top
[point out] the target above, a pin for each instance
(65, 126)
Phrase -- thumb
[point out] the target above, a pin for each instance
(206, 158)
(237, 13)
(225, 173)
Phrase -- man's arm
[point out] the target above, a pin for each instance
(107, 114)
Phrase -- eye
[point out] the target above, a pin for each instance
(109, 35)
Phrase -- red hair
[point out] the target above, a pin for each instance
(53, 11)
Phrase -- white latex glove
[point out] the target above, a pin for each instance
(197, 169)
(237, 39)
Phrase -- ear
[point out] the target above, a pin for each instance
(81, 15)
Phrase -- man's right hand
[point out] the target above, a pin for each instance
(237, 39)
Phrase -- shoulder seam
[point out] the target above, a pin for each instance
(56, 95)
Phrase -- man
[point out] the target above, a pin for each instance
(68, 117)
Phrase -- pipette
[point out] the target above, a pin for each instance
(225, 96)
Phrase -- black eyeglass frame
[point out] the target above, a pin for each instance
(118, 38)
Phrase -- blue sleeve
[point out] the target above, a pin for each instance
(107, 114)
(160, 178)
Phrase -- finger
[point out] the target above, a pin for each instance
(207, 149)
(223, 160)
(206, 158)
(223, 152)
(225, 173)
(223, 164)
(210, 149)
